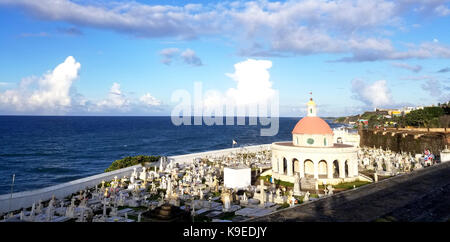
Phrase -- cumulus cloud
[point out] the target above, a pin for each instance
(375, 94)
(188, 56)
(253, 84)
(252, 88)
(406, 66)
(149, 100)
(115, 97)
(262, 28)
(54, 93)
(47, 93)
(118, 101)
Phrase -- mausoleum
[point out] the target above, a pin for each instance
(312, 153)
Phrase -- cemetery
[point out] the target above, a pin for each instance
(227, 185)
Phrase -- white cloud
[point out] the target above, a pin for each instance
(442, 10)
(376, 94)
(188, 56)
(116, 100)
(54, 93)
(253, 84)
(168, 55)
(261, 28)
(149, 100)
(412, 68)
(253, 87)
(49, 93)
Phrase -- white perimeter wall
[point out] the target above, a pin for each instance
(26, 199)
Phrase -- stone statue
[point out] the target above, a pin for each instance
(330, 189)
(306, 197)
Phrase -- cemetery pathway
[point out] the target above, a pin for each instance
(422, 195)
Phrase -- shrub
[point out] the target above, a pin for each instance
(131, 161)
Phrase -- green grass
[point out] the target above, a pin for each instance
(283, 206)
(216, 194)
(349, 185)
(265, 178)
(283, 183)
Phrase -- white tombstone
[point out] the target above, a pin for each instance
(70, 211)
(39, 208)
(237, 177)
(227, 203)
(143, 175)
(445, 155)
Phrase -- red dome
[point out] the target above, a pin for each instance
(312, 125)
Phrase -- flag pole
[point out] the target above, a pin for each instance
(12, 190)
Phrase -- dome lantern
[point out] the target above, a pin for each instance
(312, 108)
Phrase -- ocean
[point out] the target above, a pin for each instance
(47, 150)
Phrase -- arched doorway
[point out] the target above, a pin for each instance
(284, 166)
(323, 169)
(296, 166)
(309, 168)
(335, 169)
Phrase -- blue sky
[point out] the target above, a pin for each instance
(128, 57)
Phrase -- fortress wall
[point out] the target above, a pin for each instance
(405, 141)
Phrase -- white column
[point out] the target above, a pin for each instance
(341, 169)
(330, 169)
(281, 166)
(301, 163)
(316, 169)
(274, 164)
(289, 168)
(355, 168)
(350, 168)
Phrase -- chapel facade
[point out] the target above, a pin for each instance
(312, 153)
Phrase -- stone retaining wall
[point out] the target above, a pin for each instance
(404, 141)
